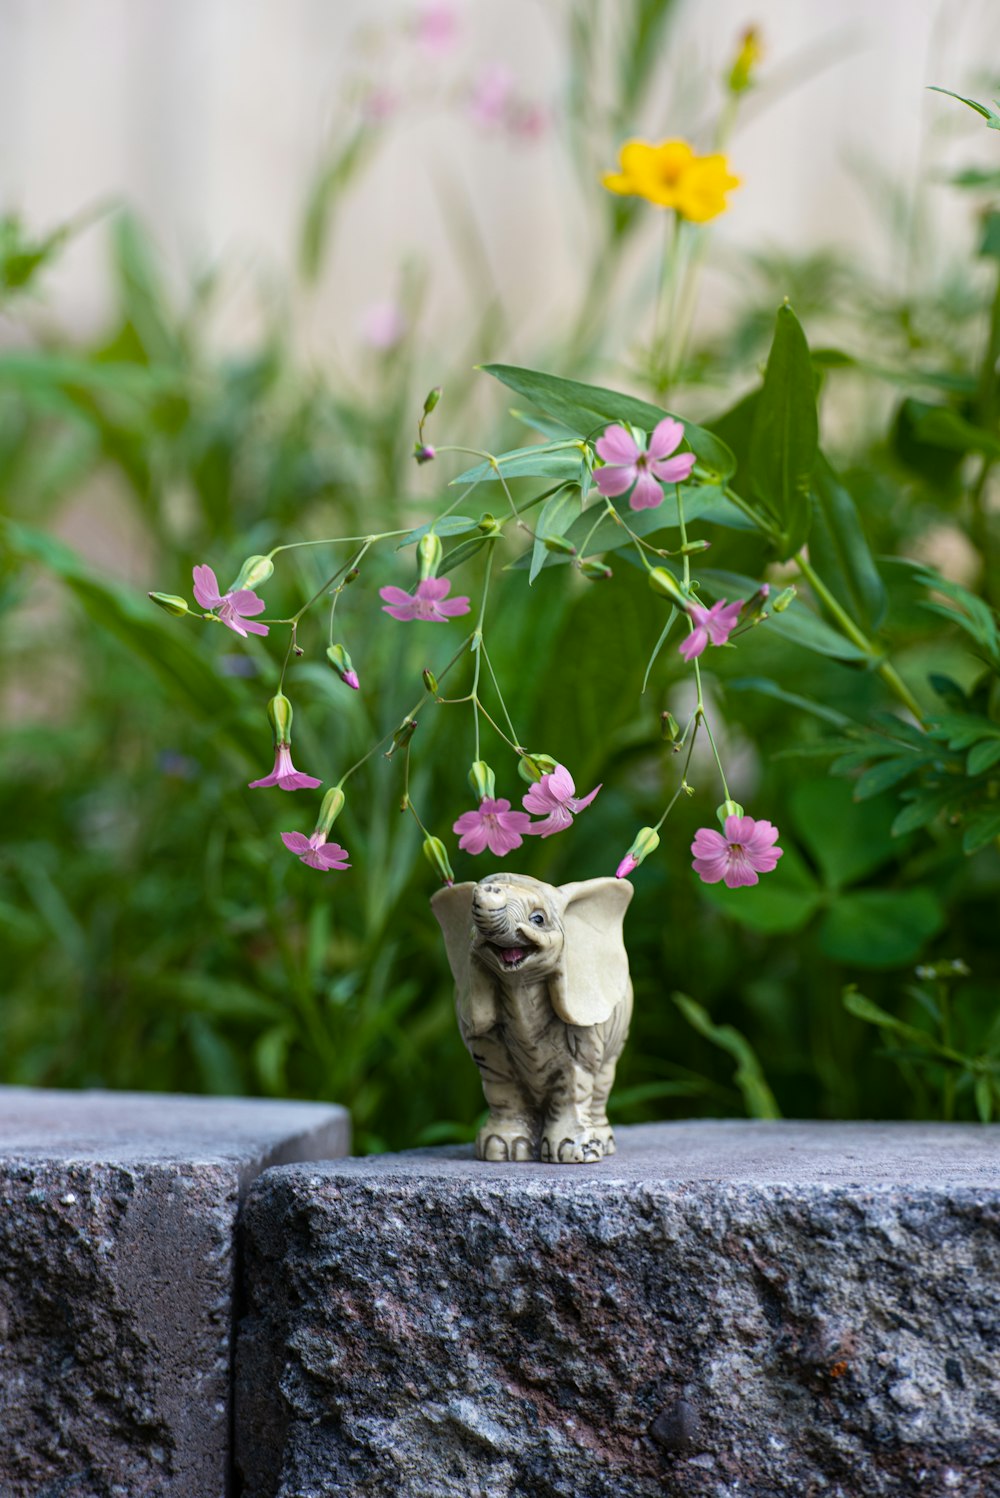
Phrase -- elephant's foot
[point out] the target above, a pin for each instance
(605, 1135)
(498, 1140)
(566, 1143)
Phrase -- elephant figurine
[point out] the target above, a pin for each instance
(544, 1001)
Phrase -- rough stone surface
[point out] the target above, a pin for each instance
(117, 1280)
(722, 1310)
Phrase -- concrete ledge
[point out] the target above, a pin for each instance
(723, 1310)
(117, 1277)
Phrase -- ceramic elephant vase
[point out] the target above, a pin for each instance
(544, 1001)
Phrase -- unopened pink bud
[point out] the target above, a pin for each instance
(626, 866)
(350, 679)
(424, 453)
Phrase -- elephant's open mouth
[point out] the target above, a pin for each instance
(511, 957)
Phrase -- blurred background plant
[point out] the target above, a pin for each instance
(154, 932)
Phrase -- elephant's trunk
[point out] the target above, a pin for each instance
(489, 911)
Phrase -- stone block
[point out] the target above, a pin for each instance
(722, 1310)
(117, 1276)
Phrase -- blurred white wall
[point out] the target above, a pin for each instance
(211, 115)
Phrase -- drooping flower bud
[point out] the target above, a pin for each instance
(647, 840)
(690, 547)
(663, 582)
(728, 809)
(429, 554)
(279, 714)
(330, 808)
(402, 736)
(596, 571)
(350, 577)
(482, 780)
(489, 524)
(784, 598)
(171, 603)
(531, 767)
(430, 681)
(423, 452)
(669, 727)
(255, 570)
(745, 62)
(559, 544)
(437, 856)
(752, 611)
(433, 396)
(343, 665)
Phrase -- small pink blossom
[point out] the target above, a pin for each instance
(627, 866)
(711, 626)
(493, 826)
(285, 775)
(746, 850)
(626, 463)
(555, 798)
(316, 851)
(234, 608)
(430, 601)
(383, 325)
(491, 96)
(437, 28)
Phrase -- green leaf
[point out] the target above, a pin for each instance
(449, 525)
(768, 688)
(989, 115)
(783, 901)
(749, 1076)
(862, 1008)
(983, 1093)
(839, 552)
(555, 519)
(990, 243)
(587, 409)
(880, 928)
(560, 460)
(981, 828)
(884, 776)
(671, 617)
(785, 434)
(847, 841)
(922, 808)
(943, 427)
(982, 756)
(800, 625)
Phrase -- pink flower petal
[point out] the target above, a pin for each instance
(618, 446)
(612, 481)
(764, 835)
(476, 838)
(502, 839)
(560, 783)
(538, 798)
(206, 587)
(253, 629)
(247, 602)
(266, 780)
(452, 607)
(332, 856)
(709, 844)
(395, 595)
(740, 829)
(557, 821)
(739, 871)
(675, 470)
(579, 803)
(711, 870)
(434, 588)
(647, 493)
(667, 436)
(296, 781)
(295, 842)
(694, 644)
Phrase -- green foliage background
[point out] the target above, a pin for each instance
(156, 935)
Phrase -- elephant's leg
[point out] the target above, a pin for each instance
(603, 1084)
(512, 1127)
(567, 1137)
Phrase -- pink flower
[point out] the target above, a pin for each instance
(491, 96)
(626, 463)
(712, 626)
(746, 850)
(555, 796)
(493, 826)
(437, 28)
(234, 608)
(426, 603)
(316, 851)
(383, 325)
(285, 774)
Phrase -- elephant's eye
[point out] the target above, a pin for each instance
(536, 918)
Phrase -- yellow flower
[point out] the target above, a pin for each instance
(672, 176)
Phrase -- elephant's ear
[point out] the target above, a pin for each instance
(475, 989)
(593, 975)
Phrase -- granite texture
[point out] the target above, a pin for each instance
(722, 1310)
(117, 1277)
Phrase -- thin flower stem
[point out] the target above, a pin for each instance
(673, 800)
(288, 654)
(338, 541)
(503, 706)
(477, 645)
(885, 669)
(639, 542)
(708, 729)
(496, 728)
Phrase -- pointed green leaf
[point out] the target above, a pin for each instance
(785, 434)
(839, 552)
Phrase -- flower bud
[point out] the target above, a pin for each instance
(687, 789)
(596, 571)
(350, 577)
(279, 715)
(437, 856)
(343, 665)
(423, 452)
(647, 840)
(171, 603)
(669, 727)
(482, 780)
(429, 554)
(663, 582)
(489, 524)
(430, 681)
(255, 570)
(690, 547)
(402, 736)
(753, 610)
(559, 544)
(728, 809)
(784, 598)
(330, 808)
(433, 396)
(531, 767)
(745, 62)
